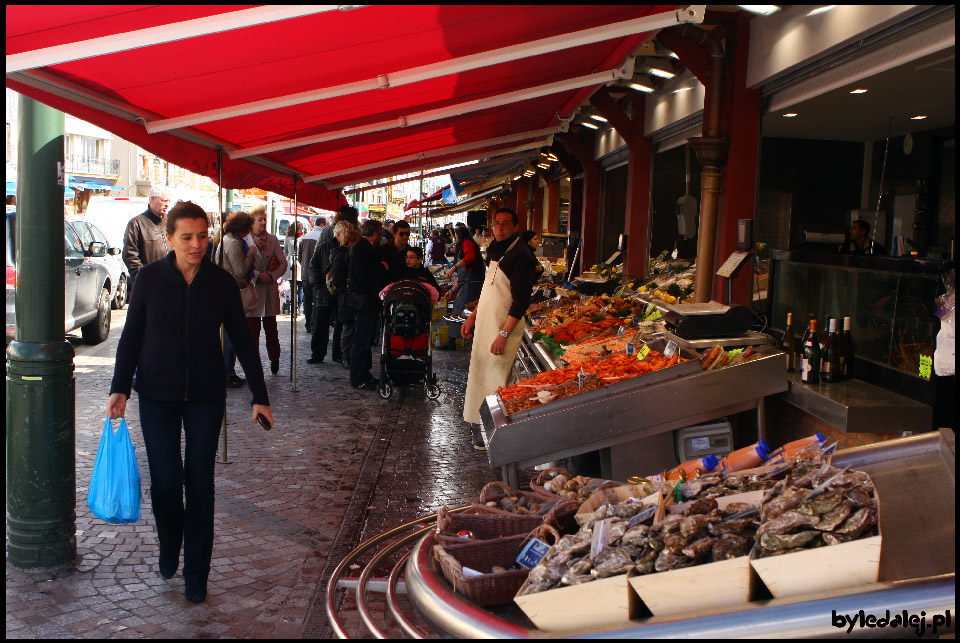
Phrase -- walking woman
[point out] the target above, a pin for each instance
(172, 340)
(268, 266)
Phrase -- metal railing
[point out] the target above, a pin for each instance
(91, 165)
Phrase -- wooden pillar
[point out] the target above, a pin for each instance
(536, 221)
(590, 212)
(740, 120)
(637, 219)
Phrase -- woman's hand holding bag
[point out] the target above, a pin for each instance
(114, 493)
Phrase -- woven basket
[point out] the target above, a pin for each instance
(545, 476)
(562, 510)
(485, 525)
(489, 588)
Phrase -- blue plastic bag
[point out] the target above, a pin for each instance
(114, 494)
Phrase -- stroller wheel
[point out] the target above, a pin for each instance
(433, 391)
(385, 390)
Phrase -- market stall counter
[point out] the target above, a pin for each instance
(634, 409)
(915, 574)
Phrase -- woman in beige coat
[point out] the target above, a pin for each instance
(269, 265)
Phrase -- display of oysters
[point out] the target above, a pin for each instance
(815, 505)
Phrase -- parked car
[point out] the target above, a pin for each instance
(119, 275)
(87, 284)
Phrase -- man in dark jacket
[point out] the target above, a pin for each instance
(145, 240)
(367, 276)
(394, 254)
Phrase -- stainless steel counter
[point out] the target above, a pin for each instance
(915, 480)
(854, 406)
(629, 415)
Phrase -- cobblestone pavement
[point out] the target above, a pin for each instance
(339, 466)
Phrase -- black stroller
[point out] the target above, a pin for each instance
(406, 355)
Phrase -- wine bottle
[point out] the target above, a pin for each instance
(810, 363)
(847, 344)
(830, 367)
(789, 345)
(806, 334)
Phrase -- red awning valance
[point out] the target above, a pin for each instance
(333, 96)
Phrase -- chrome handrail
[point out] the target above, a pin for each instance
(333, 584)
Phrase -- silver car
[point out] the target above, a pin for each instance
(119, 275)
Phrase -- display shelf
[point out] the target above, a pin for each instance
(854, 406)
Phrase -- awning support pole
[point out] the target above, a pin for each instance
(223, 457)
(293, 292)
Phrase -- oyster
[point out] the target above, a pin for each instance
(699, 548)
(858, 523)
(730, 546)
(612, 562)
(832, 519)
(836, 539)
(668, 560)
(692, 524)
(787, 522)
(542, 578)
(701, 506)
(731, 526)
(778, 542)
(858, 497)
(676, 542)
(821, 504)
(635, 535)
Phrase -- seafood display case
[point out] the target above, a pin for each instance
(915, 575)
(647, 405)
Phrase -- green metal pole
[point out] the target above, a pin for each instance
(229, 205)
(41, 460)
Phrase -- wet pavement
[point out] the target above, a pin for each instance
(338, 467)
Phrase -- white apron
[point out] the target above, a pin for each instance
(488, 371)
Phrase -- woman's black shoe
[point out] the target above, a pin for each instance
(275, 366)
(315, 360)
(169, 564)
(195, 590)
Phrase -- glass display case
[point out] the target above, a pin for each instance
(891, 303)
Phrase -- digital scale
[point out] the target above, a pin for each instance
(708, 320)
(704, 439)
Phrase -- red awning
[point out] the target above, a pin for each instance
(335, 97)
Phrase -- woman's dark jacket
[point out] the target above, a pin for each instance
(171, 337)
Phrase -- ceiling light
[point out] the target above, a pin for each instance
(791, 115)
(760, 9)
(820, 10)
(682, 89)
(674, 56)
(859, 91)
(597, 117)
(661, 73)
(545, 167)
(640, 88)
(590, 125)
(917, 117)
(552, 157)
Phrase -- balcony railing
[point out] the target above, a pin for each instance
(92, 165)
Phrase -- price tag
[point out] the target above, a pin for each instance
(631, 348)
(620, 291)
(581, 377)
(643, 352)
(533, 553)
(670, 350)
(553, 302)
(470, 573)
(926, 365)
(636, 320)
(643, 516)
(620, 332)
(600, 539)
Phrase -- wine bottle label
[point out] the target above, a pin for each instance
(825, 367)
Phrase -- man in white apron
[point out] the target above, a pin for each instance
(496, 325)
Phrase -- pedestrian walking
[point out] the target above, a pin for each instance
(269, 265)
(172, 339)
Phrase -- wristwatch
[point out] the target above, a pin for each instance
(504, 334)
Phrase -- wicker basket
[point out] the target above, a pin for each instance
(488, 588)
(485, 525)
(562, 510)
(545, 476)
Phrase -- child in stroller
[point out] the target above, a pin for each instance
(405, 352)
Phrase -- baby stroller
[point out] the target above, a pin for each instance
(405, 353)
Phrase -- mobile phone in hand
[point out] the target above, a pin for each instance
(264, 422)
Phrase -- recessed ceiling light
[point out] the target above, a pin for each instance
(682, 89)
(662, 73)
(640, 88)
(822, 9)
(859, 91)
(597, 117)
(760, 9)
(791, 115)
(917, 118)
(590, 125)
